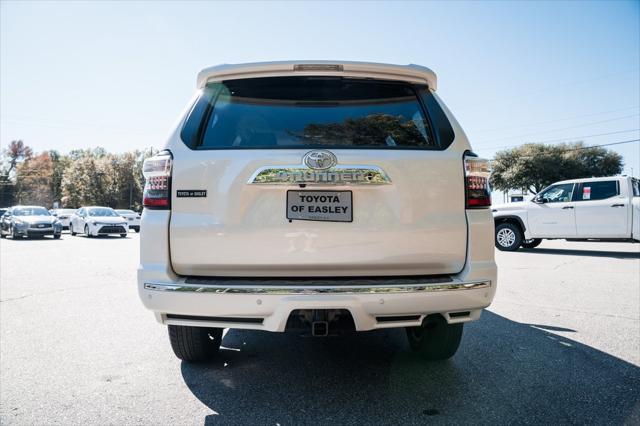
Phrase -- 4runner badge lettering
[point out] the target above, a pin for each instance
(319, 167)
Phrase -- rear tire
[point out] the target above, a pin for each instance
(194, 344)
(435, 340)
(531, 243)
(73, 234)
(508, 237)
(14, 234)
(123, 235)
(56, 236)
(137, 230)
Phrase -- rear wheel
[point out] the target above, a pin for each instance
(56, 236)
(531, 243)
(435, 340)
(508, 237)
(73, 234)
(123, 235)
(14, 234)
(194, 343)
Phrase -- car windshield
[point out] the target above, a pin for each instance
(126, 211)
(31, 211)
(322, 112)
(104, 211)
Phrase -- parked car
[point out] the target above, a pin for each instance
(63, 215)
(327, 196)
(94, 221)
(30, 222)
(595, 209)
(133, 218)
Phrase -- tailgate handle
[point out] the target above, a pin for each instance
(618, 205)
(567, 207)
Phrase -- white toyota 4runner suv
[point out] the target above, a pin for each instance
(317, 196)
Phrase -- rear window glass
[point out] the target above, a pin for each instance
(598, 190)
(314, 112)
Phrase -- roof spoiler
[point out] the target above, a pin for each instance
(410, 73)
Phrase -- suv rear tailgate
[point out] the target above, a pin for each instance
(414, 225)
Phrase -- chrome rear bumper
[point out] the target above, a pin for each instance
(319, 289)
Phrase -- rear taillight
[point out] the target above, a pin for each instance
(476, 173)
(157, 186)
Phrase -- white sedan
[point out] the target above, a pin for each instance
(133, 218)
(63, 215)
(95, 221)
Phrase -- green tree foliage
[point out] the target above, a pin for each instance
(534, 166)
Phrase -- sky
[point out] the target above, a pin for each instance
(117, 74)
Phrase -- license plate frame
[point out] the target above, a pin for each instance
(306, 215)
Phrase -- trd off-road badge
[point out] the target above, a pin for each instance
(320, 167)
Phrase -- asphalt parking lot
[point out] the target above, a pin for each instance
(561, 343)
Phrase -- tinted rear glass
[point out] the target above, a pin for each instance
(314, 112)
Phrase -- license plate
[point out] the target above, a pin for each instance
(328, 206)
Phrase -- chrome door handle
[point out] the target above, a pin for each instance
(618, 205)
(567, 207)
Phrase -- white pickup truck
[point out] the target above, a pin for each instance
(595, 209)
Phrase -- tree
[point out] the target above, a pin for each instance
(9, 160)
(34, 181)
(83, 177)
(7, 189)
(60, 164)
(82, 183)
(374, 128)
(95, 177)
(534, 166)
(16, 152)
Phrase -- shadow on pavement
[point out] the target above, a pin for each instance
(504, 372)
(591, 253)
